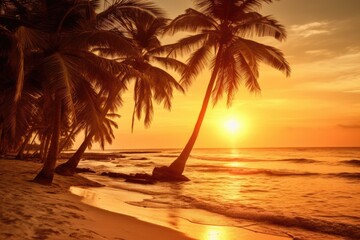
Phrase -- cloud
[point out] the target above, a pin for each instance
(310, 29)
(349, 126)
(348, 86)
(318, 52)
(336, 74)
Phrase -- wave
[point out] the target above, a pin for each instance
(278, 173)
(243, 212)
(227, 159)
(353, 162)
(256, 171)
(167, 155)
(236, 159)
(306, 223)
(299, 160)
(348, 175)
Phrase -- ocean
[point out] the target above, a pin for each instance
(304, 193)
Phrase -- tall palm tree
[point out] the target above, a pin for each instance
(80, 76)
(222, 31)
(54, 52)
(17, 114)
(151, 82)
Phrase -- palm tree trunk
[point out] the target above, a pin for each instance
(32, 143)
(68, 168)
(46, 175)
(42, 147)
(46, 147)
(20, 154)
(178, 165)
(73, 132)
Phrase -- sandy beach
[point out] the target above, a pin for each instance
(33, 211)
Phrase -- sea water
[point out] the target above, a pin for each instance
(308, 193)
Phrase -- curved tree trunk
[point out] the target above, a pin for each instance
(46, 175)
(20, 154)
(178, 165)
(73, 132)
(68, 168)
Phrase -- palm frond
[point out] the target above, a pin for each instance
(101, 72)
(143, 101)
(122, 9)
(32, 39)
(196, 63)
(249, 71)
(163, 85)
(171, 63)
(228, 79)
(192, 21)
(251, 5)
(185, 45)
(59, 73)
(266, 54)
(111, 40)
(254, 24)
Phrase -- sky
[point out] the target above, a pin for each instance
(317, 106)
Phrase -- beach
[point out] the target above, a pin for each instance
(32, 211)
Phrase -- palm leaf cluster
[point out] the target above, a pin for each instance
(64, 67)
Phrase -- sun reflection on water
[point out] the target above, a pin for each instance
(236, 164)
(215, 233)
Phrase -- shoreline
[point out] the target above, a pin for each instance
(195, 223)
(32, 211)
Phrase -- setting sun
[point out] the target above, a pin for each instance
(233, 126)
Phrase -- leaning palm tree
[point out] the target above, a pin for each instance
(222, 31)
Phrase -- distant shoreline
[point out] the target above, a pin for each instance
(154, 150)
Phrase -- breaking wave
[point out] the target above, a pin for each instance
(353, 162)
(237, 159)
(311, 224)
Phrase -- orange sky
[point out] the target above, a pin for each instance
(319, 105)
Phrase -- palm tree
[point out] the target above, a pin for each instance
(154, 83)
(150, 81)
(222, 29)
(54, 52)
(17, 114)
(82, 77)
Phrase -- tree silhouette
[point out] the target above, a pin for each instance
(222, 29)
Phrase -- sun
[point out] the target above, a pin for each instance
(232, 126)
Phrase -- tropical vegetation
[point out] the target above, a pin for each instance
(65, 64)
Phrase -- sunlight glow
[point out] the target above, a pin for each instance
(236, 164)
(219, 233)
(233, 126)
(212, 233)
